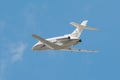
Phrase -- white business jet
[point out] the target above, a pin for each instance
(63, 42)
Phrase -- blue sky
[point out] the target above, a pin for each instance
(49, 18)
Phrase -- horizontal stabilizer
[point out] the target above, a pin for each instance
(75, 24)
(83, 25)
(91, 28)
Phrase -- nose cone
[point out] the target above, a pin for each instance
(35, 47)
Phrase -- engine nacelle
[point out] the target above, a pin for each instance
(69, 37)
(80, 40)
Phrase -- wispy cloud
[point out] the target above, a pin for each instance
(17, 50)
(14, 53)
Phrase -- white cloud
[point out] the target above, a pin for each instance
(17, 51)
(13, 53)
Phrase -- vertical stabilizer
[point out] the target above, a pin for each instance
(79, 28)
(84, 23)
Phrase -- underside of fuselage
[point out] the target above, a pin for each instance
(64, 43)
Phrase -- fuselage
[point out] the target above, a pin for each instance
(65, 41)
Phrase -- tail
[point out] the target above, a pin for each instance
(79, 28)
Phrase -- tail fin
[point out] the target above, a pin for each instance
(84, 23)
(79, 28)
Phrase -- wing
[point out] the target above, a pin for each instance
(48, 43)
(78, 50)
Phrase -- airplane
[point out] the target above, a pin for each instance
(64, 42)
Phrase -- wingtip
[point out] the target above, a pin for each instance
(34, 35)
